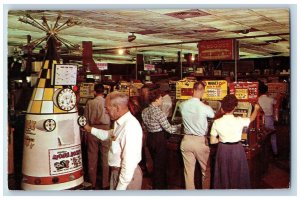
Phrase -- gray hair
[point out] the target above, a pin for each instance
(118, 98)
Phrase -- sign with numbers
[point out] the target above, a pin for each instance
(215, 89)
(245, 91)
(64, 74)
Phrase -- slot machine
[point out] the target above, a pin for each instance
(132, 89)
(247, 94)
(86, 92)
(184, 91)
(215, 91)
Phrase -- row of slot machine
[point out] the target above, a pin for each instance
(86, 91)
(247, 94)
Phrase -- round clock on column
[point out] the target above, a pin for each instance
(65, 99)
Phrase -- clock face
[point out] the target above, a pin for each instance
(66, 99)
(49, 125)
(81, 121)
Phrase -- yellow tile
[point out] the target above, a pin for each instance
(36, 106)
(33, 94)
(57, 110)
(46, 65)
(42, 82)
(48, 94)
(48, 74)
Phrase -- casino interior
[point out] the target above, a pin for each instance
(54, 55)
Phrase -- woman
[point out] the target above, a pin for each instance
(158, 127)
(231, 167)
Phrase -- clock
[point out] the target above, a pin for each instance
(65, 99)
(49, 125)
(81, 121)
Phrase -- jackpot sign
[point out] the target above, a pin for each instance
(245, 91)
(215, 89)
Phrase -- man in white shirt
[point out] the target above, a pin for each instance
(194, 145)
(125, 151)
(167, 105)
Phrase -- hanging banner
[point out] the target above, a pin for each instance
(102, 66)
(215, 89)
(149, 67)
(217, 49)
(245, 91)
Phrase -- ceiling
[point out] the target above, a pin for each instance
(260, 32)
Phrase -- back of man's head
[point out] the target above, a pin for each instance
(99, 88)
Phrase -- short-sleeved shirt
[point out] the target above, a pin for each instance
(229, 128)
(194, 115)
(266, 103)
(95, 112)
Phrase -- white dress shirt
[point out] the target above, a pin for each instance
(266, 103)
(194, 114)
(229, 128)
(125, 151)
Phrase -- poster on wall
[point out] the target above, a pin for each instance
(65, 160)
(245, 91)
(217, 49)
(215, 90)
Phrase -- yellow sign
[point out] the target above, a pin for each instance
(184, 89)
(215, 89)
(87, 90)
(241, 93)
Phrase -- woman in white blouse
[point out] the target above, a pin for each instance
(231, 167)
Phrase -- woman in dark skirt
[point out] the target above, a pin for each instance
(231, 167)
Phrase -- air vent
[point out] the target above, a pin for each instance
(188, 14)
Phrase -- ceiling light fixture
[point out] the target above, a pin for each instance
(121, 51)
(131, 37)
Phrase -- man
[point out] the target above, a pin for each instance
(267, 103)
(167, 104)
(194, 145)
(125, 150)
(98, 118)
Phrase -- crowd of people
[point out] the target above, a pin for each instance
(121, 129)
